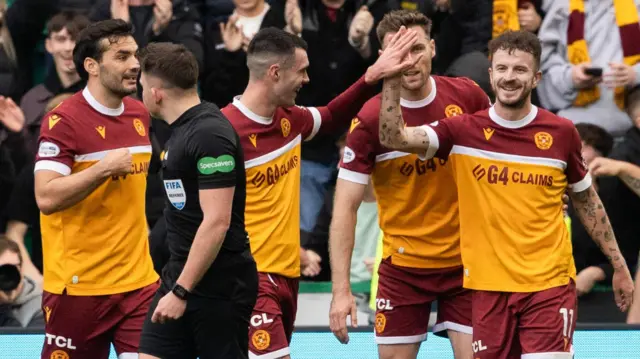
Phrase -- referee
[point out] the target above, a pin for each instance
(210, 284)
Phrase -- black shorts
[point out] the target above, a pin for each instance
(212, 327)
(209, 329)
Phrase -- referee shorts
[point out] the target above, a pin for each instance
(213, 327)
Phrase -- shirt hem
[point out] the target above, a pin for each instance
(528, 288)
(421, 262)
(81, 291)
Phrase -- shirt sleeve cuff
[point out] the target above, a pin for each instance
(581, 185)
(61, 168)
(317, 123)
(352, 176)
(434, 144)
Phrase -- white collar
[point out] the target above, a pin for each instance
(100, 107)
(513, 124)
(425, 101)
(250, 114)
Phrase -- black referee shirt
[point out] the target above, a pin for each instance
(202, 153)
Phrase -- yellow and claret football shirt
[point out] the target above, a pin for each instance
(272, 163)
(100, 245)
(510, 177)
(417, 200)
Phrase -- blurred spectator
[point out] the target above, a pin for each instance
(157, 21)
(342, 44)
(226, 73)
(588, 61)
(20, 30)
(22, 213)
(62, 30)
(216, 11)
(619, 194)
(79, 6)
(23, 216)
(515, 15)
(462, 30)
(19, 294)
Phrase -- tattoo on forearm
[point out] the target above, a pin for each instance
(391, 127)
(632, 182)
(591, 212)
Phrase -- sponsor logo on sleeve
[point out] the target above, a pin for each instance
(210, 165)
(48, 149)
(349, 155)
(175, 193)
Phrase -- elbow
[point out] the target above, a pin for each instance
(45, 202)
(219, 224)
(46, 205)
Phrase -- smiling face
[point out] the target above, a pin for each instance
(416, 77)
(60, 45)
(514, 75)
(290, 78)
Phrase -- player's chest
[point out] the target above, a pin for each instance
(259, 139)
(102, 134)
(418, 116)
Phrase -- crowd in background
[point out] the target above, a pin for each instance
(37, 38)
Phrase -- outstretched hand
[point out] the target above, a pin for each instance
(395, 58)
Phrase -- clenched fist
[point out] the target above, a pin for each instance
(117, 162)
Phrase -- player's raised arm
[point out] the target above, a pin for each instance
(591, 212)
(393, 133)
(338, 113)
(56, 188)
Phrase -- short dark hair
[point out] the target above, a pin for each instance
(511, 41)
(596, 137)
(74, 23)
(88, 41)
(632, 102)
(174, 64)
(392, 21)
(270, 44)
(7, 244)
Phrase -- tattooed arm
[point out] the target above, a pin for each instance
(393, 133)
(627, 172)
(591, 212)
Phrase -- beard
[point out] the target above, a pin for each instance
(114, 83)
(520, 101)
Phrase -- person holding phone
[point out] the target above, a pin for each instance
(590, 60)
